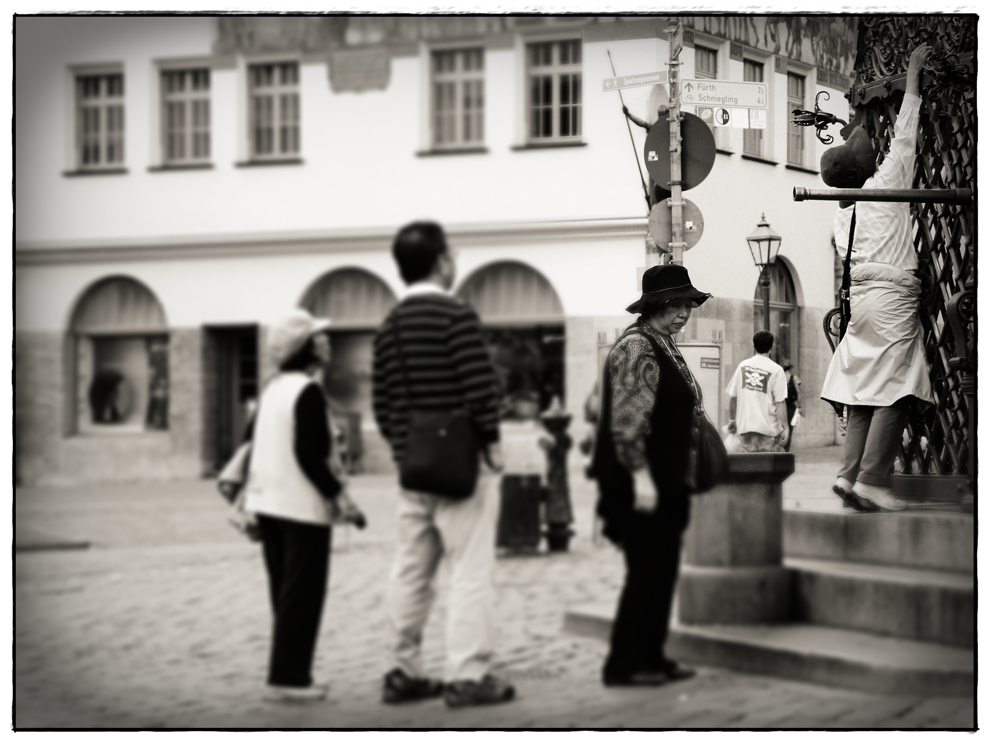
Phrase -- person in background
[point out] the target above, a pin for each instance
(645, 461)
(438, 362)
(793, 395)
(879, 366)
(758, 400)
(294, 494)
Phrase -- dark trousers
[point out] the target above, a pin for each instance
(297, 557)
(873, 435)
(791, 408)
(652, 546)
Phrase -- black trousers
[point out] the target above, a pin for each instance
(652, 547)
(297, 557)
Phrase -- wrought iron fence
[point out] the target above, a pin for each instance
(939, 440)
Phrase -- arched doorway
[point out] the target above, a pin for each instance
(524, 329)
(783, 313)
(356, 302)
(120, 375)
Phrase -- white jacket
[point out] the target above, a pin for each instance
(276, 485)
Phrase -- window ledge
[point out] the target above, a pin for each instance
(94, 171)
(96, 431)
(758, 159)
(273, 161)
(546, 145)
(792, 166)
(453, 151)
(724, 151)
(179, 166)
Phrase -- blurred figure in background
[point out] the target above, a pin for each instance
(430, 356)
(645, 461)
(793, 395)
(295, 495)
(758, 400)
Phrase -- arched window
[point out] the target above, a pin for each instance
(524, 329)
(351, 298)
(356, 303)
(783, 313)
(121, 358)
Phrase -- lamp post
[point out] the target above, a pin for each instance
(764, 244)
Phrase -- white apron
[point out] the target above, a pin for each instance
(881, 358)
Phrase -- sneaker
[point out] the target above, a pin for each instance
(296, 694)
(844, 489)
(881, 499)
(398, 687)
(490, 690)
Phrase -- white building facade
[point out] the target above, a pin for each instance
(183, 181)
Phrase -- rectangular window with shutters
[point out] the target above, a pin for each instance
(753, 138)
(274, 110)
(458, 98)
(554, 98)
(795, 134)
(100, 121)
(185, 116)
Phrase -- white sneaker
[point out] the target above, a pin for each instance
(882, 498)
(296, 694)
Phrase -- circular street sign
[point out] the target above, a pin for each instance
(659, 225)
(697, 151)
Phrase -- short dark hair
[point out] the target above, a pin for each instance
(417, 248)
(763, 341)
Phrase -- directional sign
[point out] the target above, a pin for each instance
(723, 93)
(697, 151)
(633, 81)
(659, 225)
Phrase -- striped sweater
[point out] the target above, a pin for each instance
(446, 362)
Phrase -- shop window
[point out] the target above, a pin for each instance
(121, 359)
(522, 318)
(783, 313)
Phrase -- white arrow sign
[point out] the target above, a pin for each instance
(723, 93)
(632, 81)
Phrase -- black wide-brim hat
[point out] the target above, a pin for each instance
(663, 283)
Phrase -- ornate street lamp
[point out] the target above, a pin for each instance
(764, 244)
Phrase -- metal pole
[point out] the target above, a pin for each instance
(646, 191)
(675, 201)
(765, 285)
(913, 195)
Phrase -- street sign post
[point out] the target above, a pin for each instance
(633, 81)
(723, 93)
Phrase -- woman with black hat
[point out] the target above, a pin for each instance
(645, 462)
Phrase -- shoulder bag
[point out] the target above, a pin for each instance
(442, 452)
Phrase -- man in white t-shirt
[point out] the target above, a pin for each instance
(758, 399)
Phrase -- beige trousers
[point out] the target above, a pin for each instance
(431, 528)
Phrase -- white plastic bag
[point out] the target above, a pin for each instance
(733, 444)
(796, 418)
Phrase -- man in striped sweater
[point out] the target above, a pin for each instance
(429, 354)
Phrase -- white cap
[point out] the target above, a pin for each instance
(291, 332)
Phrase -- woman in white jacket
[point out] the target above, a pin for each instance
(295, 495)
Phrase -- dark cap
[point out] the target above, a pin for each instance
(849, 165)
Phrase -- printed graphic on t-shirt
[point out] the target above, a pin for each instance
(755, 379)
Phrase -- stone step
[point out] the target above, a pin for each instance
(808, 652)
(937, 540)
(924, 605)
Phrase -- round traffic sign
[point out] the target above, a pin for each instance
(660, 228)
(697, 151)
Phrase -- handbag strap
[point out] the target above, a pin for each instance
(845, 307)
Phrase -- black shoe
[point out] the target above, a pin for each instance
(676, 672)
(399, 688)
(851, 500)
(640, 678)
(490, 690)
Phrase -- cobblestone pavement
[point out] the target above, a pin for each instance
(164, 623)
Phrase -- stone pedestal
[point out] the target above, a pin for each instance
(732, 571)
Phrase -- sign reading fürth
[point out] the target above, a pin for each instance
(633, 81)
(723, 93)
